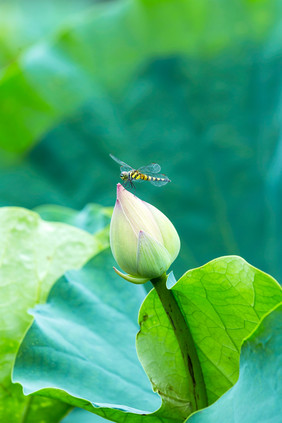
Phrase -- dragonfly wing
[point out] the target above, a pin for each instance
(126, 168)
(159, 183)
(151, 168)
(123, 166)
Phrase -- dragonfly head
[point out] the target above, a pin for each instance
(124, 176)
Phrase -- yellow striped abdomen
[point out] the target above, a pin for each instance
(138, 175)
(135, 175)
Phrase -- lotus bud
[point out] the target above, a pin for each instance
(144, 242)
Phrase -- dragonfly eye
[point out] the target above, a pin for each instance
(124, 176)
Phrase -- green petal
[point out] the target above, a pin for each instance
(130, 278)
(123, 240)
(170, 236)
(153, 258)
(138, 214)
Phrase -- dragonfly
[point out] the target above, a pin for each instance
(145, 173)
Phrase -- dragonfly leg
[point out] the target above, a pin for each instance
(131, 183)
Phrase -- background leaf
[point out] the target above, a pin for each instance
(59, 76)
(82, 416)
(259, 383)
(93, 218)
(33, 255)
(195, 86)
(197, 89)
(22, 25)
(222, 302)
(88, 327)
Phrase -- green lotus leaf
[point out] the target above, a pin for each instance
(196, 91)
(82, 344)
(23, 24)
(56, 76)
(74, 338)
(93, 218)
(82, 416)
(222, 301)
(256, 397)
(34, 253)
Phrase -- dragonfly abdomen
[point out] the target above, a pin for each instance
(138, 175)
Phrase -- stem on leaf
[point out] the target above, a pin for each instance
(185, 342)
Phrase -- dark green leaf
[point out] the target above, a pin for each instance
(196, 90)
(53, 78)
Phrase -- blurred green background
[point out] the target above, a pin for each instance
(194, 85)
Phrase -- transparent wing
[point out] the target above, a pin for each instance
(150, 169)
(160, 183)
(123, 166)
